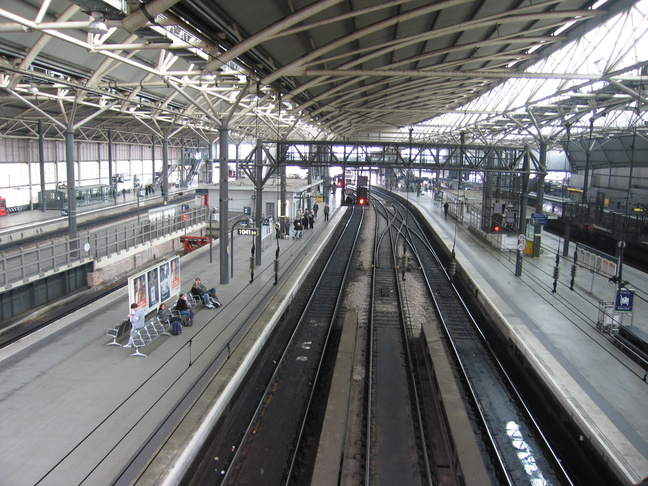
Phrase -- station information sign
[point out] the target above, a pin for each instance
(541, 219)
(247, 231)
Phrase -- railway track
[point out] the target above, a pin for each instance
(267, 453)
(396, 444)
(400, 432)
(519, 452)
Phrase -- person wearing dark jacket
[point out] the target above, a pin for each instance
(196, 291)
(183, 307)
(212, 299)
(298, 227)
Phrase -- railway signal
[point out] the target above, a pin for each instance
(362, 196)
(496, 225)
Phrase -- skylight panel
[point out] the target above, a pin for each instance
(614, 47)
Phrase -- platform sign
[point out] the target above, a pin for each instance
(624, 300)
(247, 231)
(541, 219)
(247, 210)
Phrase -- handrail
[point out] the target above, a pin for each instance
(21, 266)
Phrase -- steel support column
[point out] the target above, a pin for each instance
(71, 186)
(153, 161)
(41, 160)
(523, 205)
(258, 165)
(283, 214)
(110, 165)
(165, 169)
(537, 231)
(223, 203)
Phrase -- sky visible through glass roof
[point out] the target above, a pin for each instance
(619, 46)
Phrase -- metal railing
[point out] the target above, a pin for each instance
(28, 263)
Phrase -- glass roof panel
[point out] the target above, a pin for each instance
(619, 47)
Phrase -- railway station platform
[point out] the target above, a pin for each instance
(604, 390)
(80, 412)
(22, 224)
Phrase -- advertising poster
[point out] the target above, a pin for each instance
(153, 288)
(175, 276)
(156, 285)
(165, 282)
(139, 291)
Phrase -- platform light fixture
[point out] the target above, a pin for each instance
(33, 89)
(97, 26)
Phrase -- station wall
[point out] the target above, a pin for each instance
(19, 159)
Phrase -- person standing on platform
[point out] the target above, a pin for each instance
(138, 319)
(287, 227)
(304, 221)
(311, 220)
(315, 209)
(297, 227)
(326, 212)
(445, 209)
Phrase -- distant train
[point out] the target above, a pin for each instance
(598, 226)
(362, 196)
(628, 226)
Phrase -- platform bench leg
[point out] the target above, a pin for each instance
(137, 353)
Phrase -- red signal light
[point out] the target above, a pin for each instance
(497, 223)
(361, 201)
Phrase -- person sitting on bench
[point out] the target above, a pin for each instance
(165, 315)
(184, 309)
(208, 295)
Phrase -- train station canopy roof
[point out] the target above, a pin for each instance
(561, 72)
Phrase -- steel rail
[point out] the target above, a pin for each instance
(547, 451)
(385, 271)
(269, 404)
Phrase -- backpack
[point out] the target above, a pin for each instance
(176, 327)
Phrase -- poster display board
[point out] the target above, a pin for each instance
(149, 288)
(597, 262)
